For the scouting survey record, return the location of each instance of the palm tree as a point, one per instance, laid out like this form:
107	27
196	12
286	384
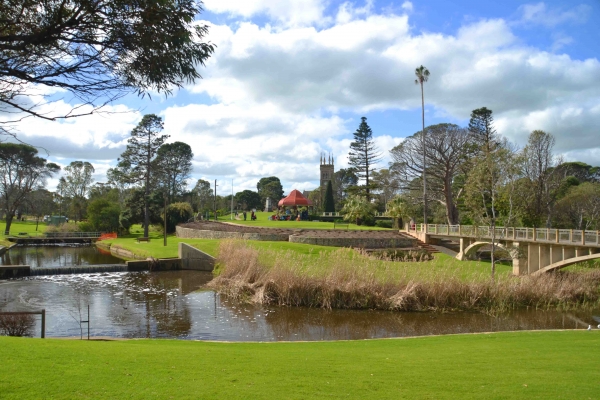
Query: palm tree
396	208
357	208
422	74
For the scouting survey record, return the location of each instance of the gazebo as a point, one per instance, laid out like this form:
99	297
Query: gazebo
295	198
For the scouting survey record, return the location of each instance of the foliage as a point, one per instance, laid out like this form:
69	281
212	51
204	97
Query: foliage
358	209
270	187
580	207
17	324
104	215
178	213
173	165
21	172
328	202
248	200
204	195
448	149
63	228
384	223
137	160
96	50
342	180
364	155
398	210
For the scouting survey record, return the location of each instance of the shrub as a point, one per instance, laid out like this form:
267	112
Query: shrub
178	213
17	324
384	223
86	227
63	228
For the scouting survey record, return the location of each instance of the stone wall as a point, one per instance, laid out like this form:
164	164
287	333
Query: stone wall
14	271
366	243
194	259
162	264
205	234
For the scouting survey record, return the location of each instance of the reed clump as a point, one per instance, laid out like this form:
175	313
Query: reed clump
347	279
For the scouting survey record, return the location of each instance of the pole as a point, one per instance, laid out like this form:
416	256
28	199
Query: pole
165	227
88	324
43	323
215	200
232	199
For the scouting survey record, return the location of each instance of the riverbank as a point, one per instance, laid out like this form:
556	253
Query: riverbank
348	279
502	365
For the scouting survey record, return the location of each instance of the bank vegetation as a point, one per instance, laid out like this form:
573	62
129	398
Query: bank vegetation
347	279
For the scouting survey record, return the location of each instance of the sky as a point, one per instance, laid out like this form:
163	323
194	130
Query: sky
290	80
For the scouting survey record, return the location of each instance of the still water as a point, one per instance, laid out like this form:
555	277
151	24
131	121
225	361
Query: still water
57	256
176	304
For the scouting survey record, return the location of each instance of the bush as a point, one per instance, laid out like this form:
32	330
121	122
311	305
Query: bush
86	227
178	213
17	324
63	228
384	223
402	255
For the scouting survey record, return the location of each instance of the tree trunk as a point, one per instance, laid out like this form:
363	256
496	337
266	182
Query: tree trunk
9	219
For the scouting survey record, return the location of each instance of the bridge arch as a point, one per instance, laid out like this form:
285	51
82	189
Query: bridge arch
472	249
565	263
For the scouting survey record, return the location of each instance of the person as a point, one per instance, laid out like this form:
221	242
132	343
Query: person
252	216
244	215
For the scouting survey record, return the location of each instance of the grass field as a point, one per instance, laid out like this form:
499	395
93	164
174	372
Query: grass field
262	219
532	365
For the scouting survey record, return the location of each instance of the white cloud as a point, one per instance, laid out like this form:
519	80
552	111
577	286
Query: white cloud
287	12
540	14
407	6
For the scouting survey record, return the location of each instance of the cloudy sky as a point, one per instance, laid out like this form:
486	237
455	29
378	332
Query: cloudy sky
290	79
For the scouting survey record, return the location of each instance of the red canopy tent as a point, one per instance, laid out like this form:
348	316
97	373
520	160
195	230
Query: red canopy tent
295	198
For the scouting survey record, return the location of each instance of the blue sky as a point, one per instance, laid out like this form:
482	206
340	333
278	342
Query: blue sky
291	79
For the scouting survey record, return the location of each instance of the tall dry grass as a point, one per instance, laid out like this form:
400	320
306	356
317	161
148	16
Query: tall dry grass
350	280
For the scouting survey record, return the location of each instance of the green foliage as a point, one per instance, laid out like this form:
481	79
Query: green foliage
248	200
384	223
178	213
397	209
173	165
103	215
86	226
358	209
328	202
364	155
270	187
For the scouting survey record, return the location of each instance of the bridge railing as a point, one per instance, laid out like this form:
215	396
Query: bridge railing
565	236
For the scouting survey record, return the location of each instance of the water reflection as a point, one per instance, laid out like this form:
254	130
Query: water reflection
57	256
174	305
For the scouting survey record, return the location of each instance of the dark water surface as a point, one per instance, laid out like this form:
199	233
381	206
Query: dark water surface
57	256
176	305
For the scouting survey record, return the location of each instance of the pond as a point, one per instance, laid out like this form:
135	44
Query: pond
176	304
63	255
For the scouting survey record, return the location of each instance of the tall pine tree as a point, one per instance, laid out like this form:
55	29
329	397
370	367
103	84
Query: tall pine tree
328	202
363	155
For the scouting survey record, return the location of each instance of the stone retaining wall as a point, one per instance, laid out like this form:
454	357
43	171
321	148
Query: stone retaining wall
366	243
205	234
194	259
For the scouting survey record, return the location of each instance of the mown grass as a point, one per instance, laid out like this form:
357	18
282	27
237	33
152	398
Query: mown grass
262	219
17	227
352	280
536	365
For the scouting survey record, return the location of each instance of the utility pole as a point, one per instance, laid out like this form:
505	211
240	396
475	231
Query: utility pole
231	199
165	227
215	200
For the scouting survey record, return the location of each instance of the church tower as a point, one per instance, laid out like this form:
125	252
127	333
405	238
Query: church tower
327	171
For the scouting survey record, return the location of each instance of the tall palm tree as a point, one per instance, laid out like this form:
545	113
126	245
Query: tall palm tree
422	74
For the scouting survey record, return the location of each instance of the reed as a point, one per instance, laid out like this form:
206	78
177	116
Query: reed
352	280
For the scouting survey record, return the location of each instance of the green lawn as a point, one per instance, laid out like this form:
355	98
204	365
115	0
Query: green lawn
17	227
532	365
262	220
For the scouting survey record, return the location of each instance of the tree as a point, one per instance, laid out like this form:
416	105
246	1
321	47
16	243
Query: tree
541	180
178	213
173	164
481	126
95	50
204	194
248	200
422	75
78	180
342	180
357	209
21	172
364	155
328	202
580	208
386	183
137	159
103	215
270	187
448	148
397	209
40	202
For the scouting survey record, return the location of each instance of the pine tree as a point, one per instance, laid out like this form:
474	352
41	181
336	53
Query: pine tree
328	202
364	154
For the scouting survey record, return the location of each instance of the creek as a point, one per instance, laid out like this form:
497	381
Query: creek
176	304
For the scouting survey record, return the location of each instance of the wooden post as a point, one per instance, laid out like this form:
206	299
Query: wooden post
43	323
557	236
570	235
534	235
583	237
459	230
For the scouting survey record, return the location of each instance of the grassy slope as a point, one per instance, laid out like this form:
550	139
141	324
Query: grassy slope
20	226
262	220
500	365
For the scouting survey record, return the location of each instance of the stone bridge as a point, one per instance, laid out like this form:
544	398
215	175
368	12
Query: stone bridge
533	250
